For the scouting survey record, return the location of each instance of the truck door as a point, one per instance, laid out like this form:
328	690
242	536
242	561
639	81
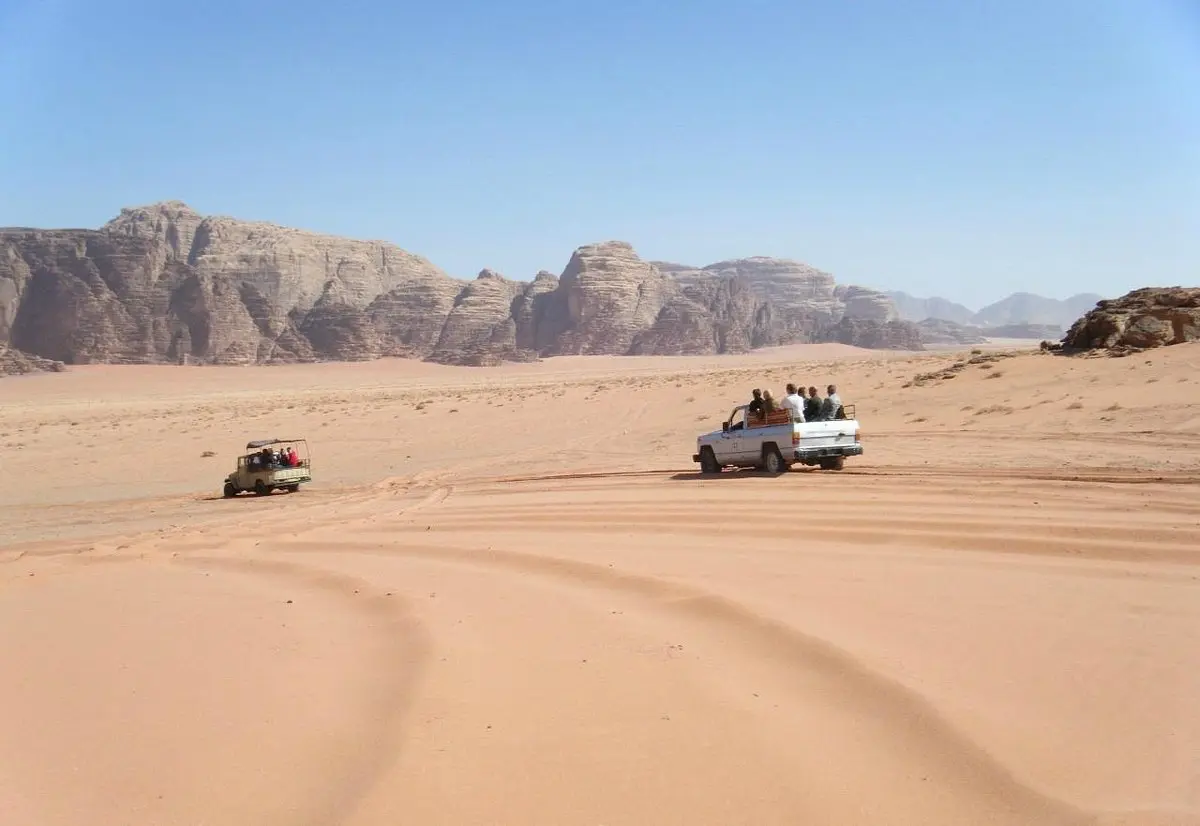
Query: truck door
731	445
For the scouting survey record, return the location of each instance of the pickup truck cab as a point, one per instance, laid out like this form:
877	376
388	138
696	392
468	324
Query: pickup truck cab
774	442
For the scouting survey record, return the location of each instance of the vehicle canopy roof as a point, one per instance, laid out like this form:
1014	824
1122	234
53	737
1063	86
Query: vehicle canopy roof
267	442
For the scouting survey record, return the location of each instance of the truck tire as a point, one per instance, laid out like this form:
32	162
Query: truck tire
772	460
708	461
260	488
230	491
292	488
833	463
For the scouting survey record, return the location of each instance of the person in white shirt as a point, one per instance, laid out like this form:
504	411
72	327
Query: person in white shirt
794	402
832	405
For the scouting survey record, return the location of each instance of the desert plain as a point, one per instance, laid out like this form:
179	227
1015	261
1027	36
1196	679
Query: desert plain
509	597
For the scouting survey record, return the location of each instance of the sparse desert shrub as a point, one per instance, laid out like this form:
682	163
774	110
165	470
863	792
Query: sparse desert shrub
994	375
995	408
1075	406
1112	407
208	454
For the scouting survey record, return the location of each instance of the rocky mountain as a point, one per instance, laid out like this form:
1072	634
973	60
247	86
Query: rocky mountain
1015	311
162	283
1027	308
936	331
912	308
1139	320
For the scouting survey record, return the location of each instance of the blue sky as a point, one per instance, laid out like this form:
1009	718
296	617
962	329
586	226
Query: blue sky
964	149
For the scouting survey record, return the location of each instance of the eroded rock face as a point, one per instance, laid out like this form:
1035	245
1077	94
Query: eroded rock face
1139	320
940	332
16	363
605	297
874	334
162	283
861	302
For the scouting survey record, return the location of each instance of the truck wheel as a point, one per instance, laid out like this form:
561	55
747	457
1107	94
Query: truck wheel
772	460
260	488
292	488
708	461
833	463
230	490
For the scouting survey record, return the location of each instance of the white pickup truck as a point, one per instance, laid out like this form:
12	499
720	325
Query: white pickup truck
774	443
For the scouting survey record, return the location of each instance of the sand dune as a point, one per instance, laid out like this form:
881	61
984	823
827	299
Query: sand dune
510	598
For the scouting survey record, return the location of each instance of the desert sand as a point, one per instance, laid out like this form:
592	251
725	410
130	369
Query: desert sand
508	597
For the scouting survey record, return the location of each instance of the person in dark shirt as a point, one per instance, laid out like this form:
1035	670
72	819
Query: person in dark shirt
812	406
755	408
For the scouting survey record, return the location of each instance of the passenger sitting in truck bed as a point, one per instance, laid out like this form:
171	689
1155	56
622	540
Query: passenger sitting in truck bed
768	403
794	402
755	408
831	408
812	406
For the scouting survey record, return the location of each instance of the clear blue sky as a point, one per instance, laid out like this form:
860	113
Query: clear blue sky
966	149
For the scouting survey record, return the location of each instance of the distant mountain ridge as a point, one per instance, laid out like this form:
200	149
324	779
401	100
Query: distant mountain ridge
164	284
1018	309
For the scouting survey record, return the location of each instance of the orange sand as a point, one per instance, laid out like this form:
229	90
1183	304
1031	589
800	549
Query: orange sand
509	597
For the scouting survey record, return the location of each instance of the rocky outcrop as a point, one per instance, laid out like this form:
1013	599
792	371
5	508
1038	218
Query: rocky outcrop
874	334
605	297
938	332
1031	331
16	363
1139	320
163	283
916	309
789	286
935	331
480	328
860	302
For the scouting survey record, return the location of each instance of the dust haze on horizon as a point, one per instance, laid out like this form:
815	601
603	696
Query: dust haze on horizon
959	153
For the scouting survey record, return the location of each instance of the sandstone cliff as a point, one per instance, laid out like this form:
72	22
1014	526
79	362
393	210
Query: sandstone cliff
1139	320
162	283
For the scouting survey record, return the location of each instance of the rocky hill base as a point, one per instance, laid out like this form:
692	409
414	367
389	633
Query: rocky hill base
939	332
1139	320
15	363
164	284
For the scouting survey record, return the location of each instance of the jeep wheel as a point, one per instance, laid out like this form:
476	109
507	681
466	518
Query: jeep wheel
708	461
772	460
230	490
833	463
260	488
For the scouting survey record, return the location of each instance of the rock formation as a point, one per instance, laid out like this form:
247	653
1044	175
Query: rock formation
1139	320
163	283
1014	312
938	332
16	363
916	309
